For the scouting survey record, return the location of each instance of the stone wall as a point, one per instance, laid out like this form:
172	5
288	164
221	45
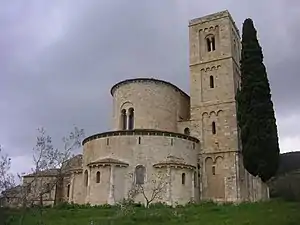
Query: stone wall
154	151
215	78
157	104
38	185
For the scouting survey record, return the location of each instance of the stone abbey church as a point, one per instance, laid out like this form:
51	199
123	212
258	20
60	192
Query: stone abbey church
186	147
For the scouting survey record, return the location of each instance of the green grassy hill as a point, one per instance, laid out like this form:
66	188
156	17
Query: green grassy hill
267	213
286	183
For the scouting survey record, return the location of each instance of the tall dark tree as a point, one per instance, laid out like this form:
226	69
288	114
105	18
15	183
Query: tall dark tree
255	113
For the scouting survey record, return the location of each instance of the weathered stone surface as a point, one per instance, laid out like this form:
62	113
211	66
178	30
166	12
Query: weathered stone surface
207	164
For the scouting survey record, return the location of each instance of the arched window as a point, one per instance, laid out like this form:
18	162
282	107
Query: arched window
213	127
140	174
208	44
211	43
68	190
183	178
131	119
86	178
187	131
211	82
98	177
123	119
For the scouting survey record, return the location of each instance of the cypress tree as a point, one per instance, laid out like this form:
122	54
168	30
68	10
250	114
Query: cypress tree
255	113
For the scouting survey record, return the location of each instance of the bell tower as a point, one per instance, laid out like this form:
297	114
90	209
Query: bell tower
215	77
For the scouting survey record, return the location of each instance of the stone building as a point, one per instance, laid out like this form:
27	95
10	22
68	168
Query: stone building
184	147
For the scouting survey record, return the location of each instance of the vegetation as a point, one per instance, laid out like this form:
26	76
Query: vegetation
274	213
255	114
286	183
6	178
289	162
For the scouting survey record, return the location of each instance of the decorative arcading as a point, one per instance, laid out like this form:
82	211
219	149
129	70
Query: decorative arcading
209	30
207	69
147	80
215	113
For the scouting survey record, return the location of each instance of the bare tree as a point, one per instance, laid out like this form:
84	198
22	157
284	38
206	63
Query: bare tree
153	190
7	180
52	163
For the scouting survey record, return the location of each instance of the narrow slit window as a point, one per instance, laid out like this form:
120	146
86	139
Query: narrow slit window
183	178
98	177
139	140
213	170
213	126
172	142
107	141
211	82
86	178
68	190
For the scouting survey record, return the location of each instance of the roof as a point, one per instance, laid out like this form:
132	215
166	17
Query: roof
174	163
147	132
50	172
104	161
135	80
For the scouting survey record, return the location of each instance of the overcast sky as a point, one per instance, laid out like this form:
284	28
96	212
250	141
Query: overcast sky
59	59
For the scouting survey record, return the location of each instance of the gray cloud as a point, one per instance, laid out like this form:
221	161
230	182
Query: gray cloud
60	58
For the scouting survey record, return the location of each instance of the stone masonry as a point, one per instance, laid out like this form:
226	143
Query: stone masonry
185	146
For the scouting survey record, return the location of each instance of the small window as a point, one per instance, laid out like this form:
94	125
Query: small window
183	178
208	44
172	142
211	82
140	174
187	131
86	178
213	126
195	179
139	140
194	145
198	166
107	141
123	119
68	190
131	119
213	44
213	170
98	177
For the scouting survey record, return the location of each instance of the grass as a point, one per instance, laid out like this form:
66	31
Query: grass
264	213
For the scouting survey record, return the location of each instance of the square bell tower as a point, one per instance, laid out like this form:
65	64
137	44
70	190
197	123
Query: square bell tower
215	77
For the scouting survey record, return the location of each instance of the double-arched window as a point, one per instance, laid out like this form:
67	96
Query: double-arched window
211	43
127	119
